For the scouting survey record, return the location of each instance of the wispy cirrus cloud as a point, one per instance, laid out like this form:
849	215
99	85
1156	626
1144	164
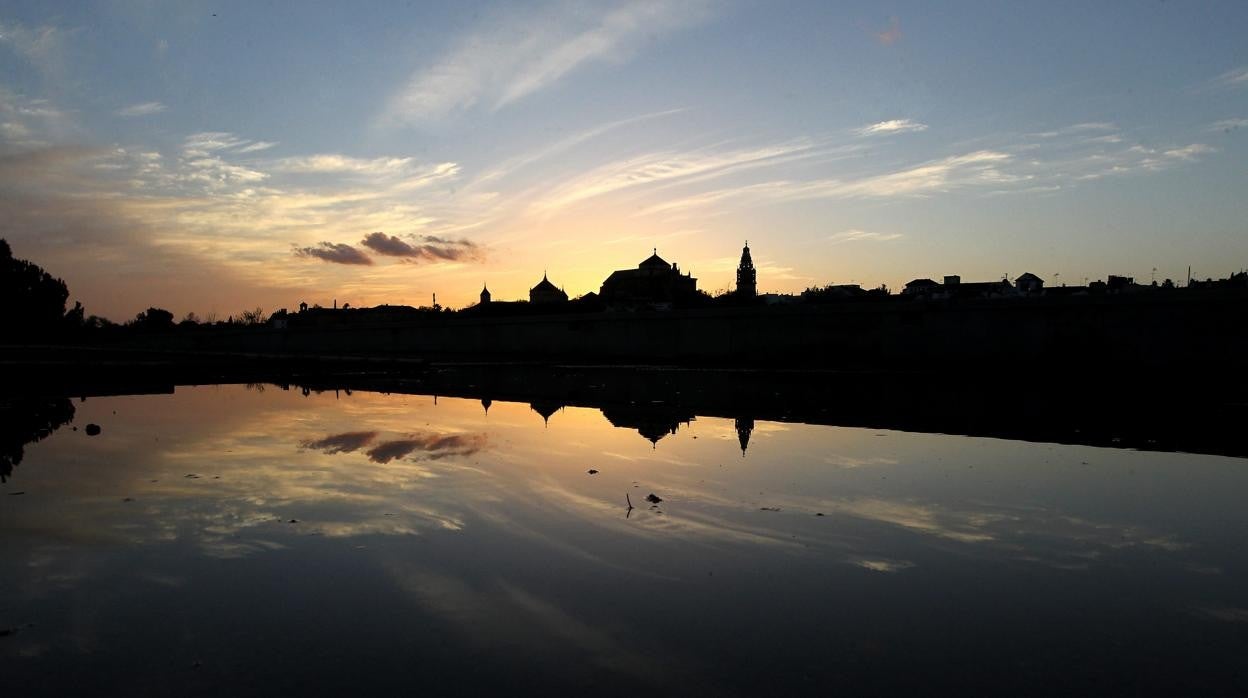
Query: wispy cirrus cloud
336	253
516	56
29	122
422	247
1228	125
862	236
1053	160
1188	152
43	47
891	126
1083	127
668	166
1232	79
142	109
255	146
339	164
206	142
400	173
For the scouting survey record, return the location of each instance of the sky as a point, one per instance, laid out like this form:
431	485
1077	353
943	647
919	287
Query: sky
213	157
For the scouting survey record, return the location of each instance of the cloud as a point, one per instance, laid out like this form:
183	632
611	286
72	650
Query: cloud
891	126
1232	79
432	446
516	55
1077	128
208	142
666	166
863	236
422	247
344	164
43	47
341	443
1228	125
30	123
514	164
1188	152
338	253
215	173
142	109
1076	153
881	564
255	147
946	174
891	35
938	175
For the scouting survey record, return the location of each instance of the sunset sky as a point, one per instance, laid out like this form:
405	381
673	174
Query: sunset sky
213	157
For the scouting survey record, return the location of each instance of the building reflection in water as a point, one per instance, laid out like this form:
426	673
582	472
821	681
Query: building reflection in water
651	421
745	427
546	408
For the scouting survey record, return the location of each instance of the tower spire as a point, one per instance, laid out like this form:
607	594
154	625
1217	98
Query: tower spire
747	276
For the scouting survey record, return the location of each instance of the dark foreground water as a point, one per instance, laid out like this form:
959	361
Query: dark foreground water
226	541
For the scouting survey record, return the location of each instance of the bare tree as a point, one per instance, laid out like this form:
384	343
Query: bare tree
252	317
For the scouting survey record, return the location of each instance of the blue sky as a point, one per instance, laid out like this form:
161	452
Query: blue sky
212	157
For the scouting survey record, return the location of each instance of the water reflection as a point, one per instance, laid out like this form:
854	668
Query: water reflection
653	422
25	420
256	529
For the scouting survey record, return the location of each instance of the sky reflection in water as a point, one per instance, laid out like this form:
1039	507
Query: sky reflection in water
260	541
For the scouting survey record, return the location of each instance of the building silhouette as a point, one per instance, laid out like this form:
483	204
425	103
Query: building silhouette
546	292
485	294
1029	283
747	276
653	283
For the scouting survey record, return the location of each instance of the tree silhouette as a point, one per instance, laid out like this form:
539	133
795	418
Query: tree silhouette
153	319
253	317
33	299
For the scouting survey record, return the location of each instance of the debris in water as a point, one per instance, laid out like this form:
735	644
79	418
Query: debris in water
818	513
14	494
653	498
127	499
591	471
769	508
93	429
192	476
293	521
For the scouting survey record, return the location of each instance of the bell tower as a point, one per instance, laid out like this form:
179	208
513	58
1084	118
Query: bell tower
747	277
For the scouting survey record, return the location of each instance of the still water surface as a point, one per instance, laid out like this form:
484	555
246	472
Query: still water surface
226	540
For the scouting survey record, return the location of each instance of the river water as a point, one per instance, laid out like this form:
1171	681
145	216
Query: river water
233	540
